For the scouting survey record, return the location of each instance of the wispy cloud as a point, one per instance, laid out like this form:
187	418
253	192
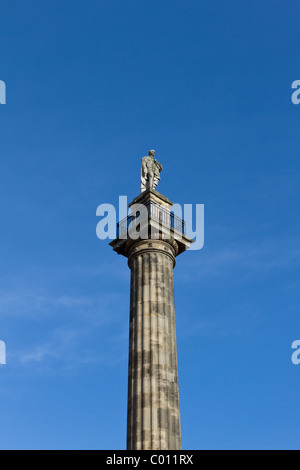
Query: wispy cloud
242	260
56	347
63	333
30	303
70	349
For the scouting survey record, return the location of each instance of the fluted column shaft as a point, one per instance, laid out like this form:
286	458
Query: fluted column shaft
153	421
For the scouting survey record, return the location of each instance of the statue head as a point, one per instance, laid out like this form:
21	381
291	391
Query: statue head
152	153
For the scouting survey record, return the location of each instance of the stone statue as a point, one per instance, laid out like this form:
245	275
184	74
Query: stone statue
150	172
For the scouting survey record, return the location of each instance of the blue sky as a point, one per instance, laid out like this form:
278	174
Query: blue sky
92	85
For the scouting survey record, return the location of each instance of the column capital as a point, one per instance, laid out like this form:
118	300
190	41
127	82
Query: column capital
167	247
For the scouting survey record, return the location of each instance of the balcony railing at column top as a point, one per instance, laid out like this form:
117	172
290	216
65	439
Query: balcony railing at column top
157	212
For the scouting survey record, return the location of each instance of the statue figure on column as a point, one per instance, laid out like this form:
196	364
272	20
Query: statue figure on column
150	172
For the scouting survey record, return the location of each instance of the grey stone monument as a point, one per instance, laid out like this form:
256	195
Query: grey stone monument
153	419
150	171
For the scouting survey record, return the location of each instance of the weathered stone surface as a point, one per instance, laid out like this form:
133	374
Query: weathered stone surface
153	421
153	396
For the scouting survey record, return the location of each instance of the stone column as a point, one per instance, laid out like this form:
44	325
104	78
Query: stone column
153	421
153	398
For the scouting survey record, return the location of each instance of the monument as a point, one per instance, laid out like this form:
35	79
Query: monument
150	172
153	416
